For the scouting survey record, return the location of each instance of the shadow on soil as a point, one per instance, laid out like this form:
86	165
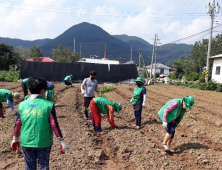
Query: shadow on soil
62	105
188	146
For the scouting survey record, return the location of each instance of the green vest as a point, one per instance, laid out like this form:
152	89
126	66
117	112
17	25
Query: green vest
36	130
173	115
101	103
25	81
67	78
136	94
49	94
2	95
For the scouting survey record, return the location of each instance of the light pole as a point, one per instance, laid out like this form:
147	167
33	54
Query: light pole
210	10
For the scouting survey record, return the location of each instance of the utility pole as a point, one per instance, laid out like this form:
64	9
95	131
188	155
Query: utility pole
74	45
154	43
131	51
210	10
80	51
155	55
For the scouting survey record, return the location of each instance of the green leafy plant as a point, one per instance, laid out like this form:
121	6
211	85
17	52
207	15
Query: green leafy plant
9	76
106	89
140	156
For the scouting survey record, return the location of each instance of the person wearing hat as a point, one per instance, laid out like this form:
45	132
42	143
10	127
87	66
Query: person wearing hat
68	81
102	105
25	86
171	114
7	96
138	101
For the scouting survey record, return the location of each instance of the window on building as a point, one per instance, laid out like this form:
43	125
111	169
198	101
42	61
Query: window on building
217	70
161	71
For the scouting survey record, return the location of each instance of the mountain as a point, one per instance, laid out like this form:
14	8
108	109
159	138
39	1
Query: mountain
166	54
24	43
92	39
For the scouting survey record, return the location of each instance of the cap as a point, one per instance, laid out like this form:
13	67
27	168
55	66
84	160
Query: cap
189	101
139	79
118	107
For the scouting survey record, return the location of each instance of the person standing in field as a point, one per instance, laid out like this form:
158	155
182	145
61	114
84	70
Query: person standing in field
36	121
102	105
138	101
25	86
88	88
7	96
68	81
171	114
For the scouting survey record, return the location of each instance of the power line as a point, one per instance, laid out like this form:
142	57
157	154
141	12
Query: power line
191	36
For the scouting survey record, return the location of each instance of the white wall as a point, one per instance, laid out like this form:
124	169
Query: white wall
216	63
166	71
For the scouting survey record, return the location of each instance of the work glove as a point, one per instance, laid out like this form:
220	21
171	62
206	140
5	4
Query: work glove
143	104
63	146
10	104
165	124
131	100
83	91
15	143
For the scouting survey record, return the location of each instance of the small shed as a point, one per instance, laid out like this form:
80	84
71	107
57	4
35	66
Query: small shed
217	64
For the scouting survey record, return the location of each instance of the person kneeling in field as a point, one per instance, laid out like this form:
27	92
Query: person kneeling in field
36	119
171	114
68	81
7	96
102	105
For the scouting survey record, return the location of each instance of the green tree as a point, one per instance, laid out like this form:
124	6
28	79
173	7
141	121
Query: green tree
64	55
7	56
36	53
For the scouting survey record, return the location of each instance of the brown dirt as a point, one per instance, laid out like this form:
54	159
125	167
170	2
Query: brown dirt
197	140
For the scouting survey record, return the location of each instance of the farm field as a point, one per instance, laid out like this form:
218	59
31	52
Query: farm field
197	139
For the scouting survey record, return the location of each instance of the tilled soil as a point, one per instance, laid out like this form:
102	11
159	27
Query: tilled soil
197	139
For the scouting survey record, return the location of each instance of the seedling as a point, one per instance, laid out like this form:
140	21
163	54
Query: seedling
147	164
156	152
124	141
168	161
140	156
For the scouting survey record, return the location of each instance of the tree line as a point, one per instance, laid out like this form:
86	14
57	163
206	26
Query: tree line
192	66
14	56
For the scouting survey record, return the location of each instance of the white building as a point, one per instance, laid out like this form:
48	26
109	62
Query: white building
99	61
217	64
160	68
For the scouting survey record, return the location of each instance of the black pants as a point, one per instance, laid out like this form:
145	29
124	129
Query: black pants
138	117
25	89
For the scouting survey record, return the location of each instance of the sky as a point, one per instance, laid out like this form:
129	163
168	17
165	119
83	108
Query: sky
175	21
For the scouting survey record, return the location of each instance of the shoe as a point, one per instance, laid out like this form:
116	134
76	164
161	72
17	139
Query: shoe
100	133
138	127
86	118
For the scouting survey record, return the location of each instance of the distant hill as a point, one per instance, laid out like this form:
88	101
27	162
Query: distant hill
166	54
25	43
93	40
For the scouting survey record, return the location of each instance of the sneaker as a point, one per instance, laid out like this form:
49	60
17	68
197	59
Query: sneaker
86	118
138	127
100	133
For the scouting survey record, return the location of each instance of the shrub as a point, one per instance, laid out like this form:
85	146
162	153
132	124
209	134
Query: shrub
180	76
172	76
10	76
219	88
106	89
201	78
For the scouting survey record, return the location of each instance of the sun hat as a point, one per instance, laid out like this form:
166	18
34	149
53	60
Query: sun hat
189	101
118	107
139	79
